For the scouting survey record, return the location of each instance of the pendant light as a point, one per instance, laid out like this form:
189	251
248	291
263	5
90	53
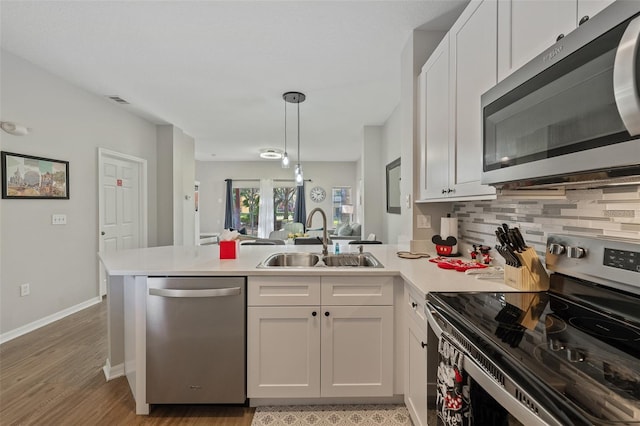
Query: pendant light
294	98
285	155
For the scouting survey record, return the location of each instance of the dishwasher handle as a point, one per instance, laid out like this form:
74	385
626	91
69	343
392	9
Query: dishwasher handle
207	292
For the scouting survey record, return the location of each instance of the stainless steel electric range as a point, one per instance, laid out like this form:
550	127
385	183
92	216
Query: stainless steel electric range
567	356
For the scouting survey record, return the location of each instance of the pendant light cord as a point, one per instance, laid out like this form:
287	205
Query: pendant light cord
298	133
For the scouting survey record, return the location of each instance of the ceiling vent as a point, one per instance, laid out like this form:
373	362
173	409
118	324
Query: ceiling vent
118	99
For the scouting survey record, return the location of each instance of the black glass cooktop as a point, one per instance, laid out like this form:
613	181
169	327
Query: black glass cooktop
579	341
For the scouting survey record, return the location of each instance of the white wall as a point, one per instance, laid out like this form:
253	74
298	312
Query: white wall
391	134
415	53
373	175
211	175
176	217
59	262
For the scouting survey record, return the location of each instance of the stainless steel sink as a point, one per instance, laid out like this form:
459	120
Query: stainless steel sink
290	260
363	260
306	260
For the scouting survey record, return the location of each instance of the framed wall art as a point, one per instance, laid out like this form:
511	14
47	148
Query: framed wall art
393	187
28	177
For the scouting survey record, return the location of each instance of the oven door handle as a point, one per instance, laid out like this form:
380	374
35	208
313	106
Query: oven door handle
625	78
429	312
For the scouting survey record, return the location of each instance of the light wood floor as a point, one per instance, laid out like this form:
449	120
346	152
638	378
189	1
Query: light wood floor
53	376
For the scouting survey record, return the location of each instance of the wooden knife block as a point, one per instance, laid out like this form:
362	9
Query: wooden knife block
531	276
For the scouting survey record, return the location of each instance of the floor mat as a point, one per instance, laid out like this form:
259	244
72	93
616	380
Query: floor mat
337	415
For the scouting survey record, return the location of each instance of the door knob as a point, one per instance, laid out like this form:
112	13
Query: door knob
326	314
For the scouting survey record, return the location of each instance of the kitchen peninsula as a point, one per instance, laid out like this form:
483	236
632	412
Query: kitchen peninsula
128	273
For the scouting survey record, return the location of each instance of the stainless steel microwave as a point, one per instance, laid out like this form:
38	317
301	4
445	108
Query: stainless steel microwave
572	114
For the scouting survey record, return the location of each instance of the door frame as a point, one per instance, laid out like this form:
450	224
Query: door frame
142	203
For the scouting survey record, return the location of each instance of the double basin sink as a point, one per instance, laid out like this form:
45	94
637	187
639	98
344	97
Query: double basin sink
301	260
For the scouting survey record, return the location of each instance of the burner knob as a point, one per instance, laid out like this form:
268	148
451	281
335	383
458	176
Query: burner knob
575	355
575	252
555	248
555	345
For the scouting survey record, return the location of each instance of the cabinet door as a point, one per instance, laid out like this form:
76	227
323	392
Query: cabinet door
591	7
473	52
526	28
357	351
434	123
415	392
283	352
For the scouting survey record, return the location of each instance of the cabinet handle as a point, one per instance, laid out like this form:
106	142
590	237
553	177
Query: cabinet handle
423	344
326	314
314	313
444	191
449	191
414	305
560	36
583	20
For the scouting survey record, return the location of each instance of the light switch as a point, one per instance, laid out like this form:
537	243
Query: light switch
58	219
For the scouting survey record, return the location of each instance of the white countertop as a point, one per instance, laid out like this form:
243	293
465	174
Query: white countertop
425	276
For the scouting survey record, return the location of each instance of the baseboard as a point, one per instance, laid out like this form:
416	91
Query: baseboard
259	402
10	335
112	371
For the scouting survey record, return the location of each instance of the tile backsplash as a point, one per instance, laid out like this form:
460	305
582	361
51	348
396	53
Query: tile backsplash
608	212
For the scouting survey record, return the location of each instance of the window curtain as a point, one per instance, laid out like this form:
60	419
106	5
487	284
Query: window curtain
228	205
300	215
265	213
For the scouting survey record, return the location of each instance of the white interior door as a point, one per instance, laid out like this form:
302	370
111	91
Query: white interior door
122	208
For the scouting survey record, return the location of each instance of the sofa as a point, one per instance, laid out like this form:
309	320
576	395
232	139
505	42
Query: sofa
346	231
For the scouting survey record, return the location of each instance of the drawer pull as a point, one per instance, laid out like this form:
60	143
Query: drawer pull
414	305
314	313
423	344
326	314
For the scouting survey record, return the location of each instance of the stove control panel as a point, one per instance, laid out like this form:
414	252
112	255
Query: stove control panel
622	259
613	262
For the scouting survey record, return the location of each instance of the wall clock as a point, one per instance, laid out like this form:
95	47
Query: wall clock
317	194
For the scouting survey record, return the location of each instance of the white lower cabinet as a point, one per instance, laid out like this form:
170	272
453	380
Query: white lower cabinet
415	396
318	349
418	393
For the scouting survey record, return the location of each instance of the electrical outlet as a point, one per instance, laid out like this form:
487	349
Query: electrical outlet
58	219
424	221
24	289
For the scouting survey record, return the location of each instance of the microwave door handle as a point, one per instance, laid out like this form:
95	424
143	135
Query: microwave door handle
625	77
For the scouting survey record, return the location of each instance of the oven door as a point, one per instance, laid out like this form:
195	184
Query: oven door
488	375
581	114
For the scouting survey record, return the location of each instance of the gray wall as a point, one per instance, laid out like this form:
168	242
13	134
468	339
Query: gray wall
59	262
211	175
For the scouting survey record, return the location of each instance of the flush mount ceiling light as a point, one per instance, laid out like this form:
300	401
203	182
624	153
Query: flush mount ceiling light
271	154
293	98
14	128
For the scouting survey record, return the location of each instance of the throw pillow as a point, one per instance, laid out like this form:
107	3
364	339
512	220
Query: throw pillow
356	229
344	231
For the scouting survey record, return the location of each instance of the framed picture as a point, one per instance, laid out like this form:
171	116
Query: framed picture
25	176
393	187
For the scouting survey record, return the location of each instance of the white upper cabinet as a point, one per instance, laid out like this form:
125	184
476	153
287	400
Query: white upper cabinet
591	7
472	56
527	28
460	69
434	123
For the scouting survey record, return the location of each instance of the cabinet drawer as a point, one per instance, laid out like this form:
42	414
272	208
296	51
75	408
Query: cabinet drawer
341	291
283	291
414	305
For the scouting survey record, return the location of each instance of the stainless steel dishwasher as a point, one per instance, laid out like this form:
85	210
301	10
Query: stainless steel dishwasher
196	344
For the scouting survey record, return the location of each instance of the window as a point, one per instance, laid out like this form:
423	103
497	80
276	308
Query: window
342	206
246	206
